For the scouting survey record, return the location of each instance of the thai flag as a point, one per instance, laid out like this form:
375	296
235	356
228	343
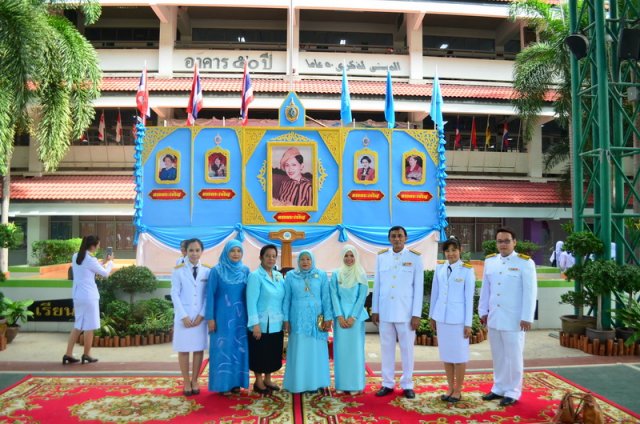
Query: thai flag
195	98
457	144
505	137
247	95
101	127
142	96
119	128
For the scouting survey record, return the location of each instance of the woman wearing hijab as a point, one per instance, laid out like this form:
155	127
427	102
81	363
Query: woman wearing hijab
308	316
451	313
226	315
265	296
349	289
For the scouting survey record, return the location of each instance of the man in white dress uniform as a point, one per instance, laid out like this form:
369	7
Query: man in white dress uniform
507	306
396	308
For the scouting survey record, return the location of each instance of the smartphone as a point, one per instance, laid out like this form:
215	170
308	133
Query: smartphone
109	251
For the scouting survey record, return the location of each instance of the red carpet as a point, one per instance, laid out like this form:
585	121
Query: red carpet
122	399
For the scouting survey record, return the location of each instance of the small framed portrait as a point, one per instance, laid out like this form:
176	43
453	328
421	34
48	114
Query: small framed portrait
413	163
365	165
292	184
217	166
168	166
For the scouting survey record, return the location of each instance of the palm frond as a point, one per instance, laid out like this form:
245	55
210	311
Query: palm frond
556	153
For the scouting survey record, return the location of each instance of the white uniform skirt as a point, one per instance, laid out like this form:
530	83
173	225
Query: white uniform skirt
192	339
87	314
452	345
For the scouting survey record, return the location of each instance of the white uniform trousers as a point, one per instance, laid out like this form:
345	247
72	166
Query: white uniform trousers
389	332
507	349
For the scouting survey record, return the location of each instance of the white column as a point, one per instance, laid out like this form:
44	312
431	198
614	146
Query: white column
534	149
293	43
37	229
168	26
414	41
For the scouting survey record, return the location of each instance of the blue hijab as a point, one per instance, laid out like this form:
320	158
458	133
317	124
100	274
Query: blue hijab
231	272
306	273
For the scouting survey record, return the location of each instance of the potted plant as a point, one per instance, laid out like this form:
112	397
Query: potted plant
629	316
628	286
582	245
134	279
601	277
16	312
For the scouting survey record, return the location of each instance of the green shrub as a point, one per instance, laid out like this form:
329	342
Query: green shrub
11	236
145	316
525	247
134	279
53	252
428	281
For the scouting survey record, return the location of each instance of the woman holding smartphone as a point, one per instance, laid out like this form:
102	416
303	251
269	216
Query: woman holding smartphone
86	297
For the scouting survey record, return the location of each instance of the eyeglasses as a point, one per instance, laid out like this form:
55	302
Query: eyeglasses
504	241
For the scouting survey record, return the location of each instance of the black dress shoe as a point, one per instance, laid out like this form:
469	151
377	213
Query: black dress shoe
491	396
384	391
506	401
453	399
272	387
264	391
66	359
444	398
410	394
87	358
237	390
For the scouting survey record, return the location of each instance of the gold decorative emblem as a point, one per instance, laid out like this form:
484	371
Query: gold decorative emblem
292	112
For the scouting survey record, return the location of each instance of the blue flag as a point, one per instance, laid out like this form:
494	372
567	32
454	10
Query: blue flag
389	108
436	104
345	100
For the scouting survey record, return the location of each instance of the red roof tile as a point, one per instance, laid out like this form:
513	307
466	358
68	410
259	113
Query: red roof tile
121	188
73	187
504	192
331	87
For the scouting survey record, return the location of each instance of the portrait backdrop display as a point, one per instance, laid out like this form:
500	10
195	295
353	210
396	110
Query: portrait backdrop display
210	183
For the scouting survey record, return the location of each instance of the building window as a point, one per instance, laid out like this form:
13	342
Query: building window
473	231
60	228
116	232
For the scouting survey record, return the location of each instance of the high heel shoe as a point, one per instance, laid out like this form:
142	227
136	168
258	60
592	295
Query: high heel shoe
264	391
272	386
66	359
87	358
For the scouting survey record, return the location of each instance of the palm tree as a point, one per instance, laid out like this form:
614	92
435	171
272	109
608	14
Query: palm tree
47	70
544	67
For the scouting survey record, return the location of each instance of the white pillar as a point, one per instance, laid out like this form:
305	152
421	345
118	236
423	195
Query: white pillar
168	27
293	43
534	149
414	41
37	229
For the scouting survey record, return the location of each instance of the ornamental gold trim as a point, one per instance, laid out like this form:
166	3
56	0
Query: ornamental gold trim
333	211
251	214
152	136
261	175
251	137
429	139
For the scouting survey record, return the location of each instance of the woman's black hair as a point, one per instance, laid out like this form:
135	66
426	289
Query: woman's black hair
87	243
194	240
451	241
266	247
172	157
365	157
300	159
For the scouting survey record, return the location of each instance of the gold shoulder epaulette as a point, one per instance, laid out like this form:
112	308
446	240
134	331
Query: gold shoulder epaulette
490	256
523	256
380	252
179	266
207	265
415	252
467	265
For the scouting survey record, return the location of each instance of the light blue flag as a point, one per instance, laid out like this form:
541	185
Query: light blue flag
436	104
389	108
345	100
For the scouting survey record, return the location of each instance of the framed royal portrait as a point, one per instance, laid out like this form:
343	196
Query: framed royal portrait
168	166
365	166
217	166
413	163
292	183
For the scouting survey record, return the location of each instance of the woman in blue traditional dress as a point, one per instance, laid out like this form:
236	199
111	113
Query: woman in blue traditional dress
349	289
307	297
226	315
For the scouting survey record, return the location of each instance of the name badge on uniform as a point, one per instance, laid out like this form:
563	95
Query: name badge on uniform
407	263
514	269
459	280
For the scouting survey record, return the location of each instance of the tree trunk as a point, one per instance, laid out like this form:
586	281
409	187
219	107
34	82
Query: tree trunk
6	194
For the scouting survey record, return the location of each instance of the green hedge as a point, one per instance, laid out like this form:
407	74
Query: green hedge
53	252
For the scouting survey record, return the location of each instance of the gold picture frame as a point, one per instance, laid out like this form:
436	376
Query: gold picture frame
217	166
413	163
365	166
292	183
168	166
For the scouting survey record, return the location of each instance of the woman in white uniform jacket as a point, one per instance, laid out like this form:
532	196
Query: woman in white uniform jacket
188	291
451	313
86	299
